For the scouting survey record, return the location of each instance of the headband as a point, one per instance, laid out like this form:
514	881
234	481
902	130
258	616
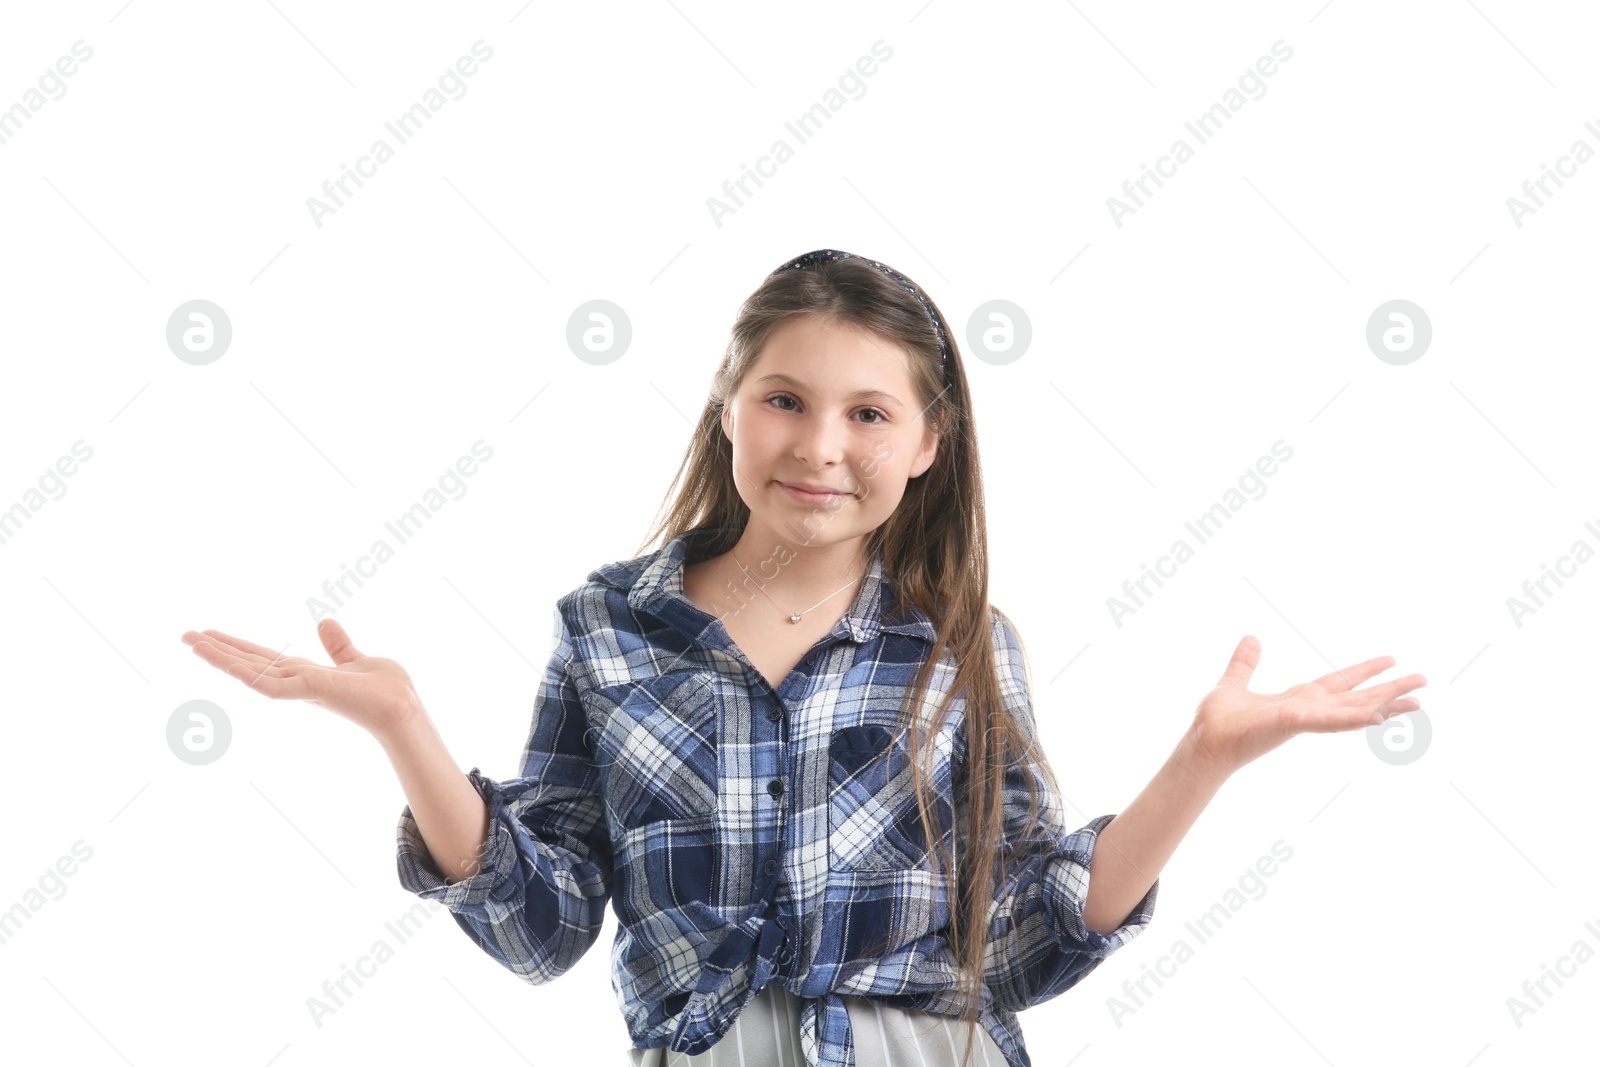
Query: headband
829	255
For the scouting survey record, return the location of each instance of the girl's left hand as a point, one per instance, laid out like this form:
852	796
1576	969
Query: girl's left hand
1233	726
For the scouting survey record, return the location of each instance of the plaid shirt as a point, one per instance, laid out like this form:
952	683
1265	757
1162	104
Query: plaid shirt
746	834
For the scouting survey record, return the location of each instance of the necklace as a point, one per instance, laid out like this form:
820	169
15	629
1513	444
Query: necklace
794	616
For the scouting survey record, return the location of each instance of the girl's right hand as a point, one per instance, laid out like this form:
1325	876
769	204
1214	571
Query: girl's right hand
372	692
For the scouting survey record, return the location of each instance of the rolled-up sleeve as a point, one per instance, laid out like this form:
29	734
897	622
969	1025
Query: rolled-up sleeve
1038	944
538	900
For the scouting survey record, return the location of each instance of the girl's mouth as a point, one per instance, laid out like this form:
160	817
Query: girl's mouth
814	498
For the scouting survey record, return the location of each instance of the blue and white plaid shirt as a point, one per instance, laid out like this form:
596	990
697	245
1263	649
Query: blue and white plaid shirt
747	834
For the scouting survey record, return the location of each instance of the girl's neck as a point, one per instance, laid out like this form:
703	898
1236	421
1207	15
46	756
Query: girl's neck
796	576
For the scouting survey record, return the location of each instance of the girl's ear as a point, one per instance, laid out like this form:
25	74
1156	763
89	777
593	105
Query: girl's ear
925	457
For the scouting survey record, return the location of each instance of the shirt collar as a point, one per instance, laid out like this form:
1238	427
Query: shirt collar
661	580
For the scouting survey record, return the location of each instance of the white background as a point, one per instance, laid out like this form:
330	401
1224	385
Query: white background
1167	356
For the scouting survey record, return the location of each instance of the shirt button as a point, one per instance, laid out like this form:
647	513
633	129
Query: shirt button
775	713
775	787
770	866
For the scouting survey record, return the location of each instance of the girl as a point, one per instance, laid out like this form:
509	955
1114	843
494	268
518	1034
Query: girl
794	745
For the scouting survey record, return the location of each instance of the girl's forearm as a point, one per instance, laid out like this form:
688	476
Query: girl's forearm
1133	847
451	816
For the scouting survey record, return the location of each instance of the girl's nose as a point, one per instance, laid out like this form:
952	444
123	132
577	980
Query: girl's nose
822	441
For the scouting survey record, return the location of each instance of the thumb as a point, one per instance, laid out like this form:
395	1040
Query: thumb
1243	663
337	642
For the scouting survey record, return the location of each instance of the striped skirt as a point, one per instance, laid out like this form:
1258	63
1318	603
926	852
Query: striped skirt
767	1034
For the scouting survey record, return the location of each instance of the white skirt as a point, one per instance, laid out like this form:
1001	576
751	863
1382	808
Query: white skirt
767	1034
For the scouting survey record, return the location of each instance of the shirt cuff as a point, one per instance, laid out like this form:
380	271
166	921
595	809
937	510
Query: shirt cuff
1073	884
420	875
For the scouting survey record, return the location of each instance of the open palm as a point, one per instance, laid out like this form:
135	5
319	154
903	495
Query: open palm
1233	726
371	691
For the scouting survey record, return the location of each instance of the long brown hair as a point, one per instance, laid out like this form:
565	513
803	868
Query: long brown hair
934	549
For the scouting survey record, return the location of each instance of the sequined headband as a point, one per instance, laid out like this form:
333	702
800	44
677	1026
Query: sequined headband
829	255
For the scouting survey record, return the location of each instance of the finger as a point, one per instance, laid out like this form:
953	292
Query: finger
238	644
1379	694
259	662
337	642
1354	675
1393	708
1243	663
250	671
1328	718
282	683
222	657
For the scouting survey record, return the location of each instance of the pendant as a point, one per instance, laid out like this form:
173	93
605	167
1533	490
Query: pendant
794	618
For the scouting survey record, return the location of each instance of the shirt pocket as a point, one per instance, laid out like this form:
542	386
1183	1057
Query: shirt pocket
873	821
657	748
666	875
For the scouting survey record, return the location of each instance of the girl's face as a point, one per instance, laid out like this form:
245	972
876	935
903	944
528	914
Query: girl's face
829	406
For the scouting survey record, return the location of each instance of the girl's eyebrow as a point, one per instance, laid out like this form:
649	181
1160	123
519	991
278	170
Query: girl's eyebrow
859	394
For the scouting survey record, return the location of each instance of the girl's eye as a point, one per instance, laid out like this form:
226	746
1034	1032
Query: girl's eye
879	420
